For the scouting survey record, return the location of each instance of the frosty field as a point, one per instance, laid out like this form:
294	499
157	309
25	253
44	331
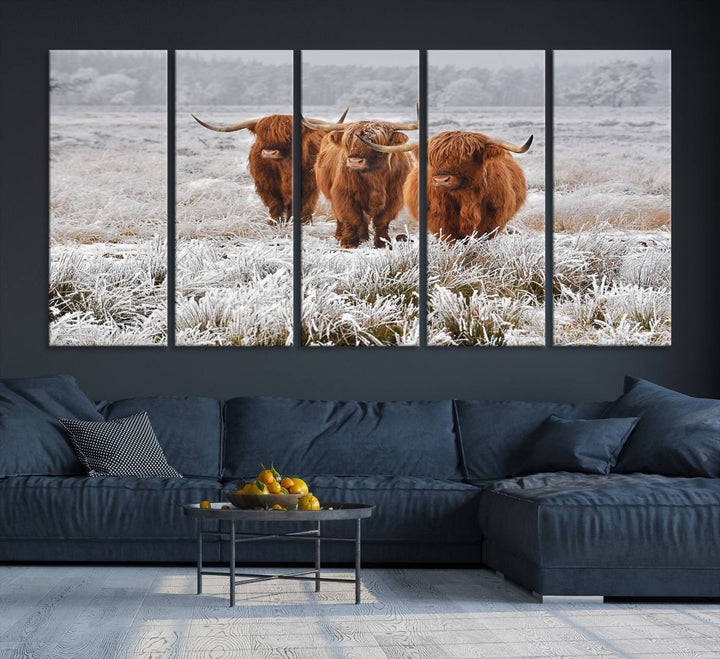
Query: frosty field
234	272
612	241
108	261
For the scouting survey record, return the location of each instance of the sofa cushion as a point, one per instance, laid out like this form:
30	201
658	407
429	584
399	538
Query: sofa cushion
107	508
579	520
189	429
32	440
312	437
494	434
677	435
408	509
587	446
121	447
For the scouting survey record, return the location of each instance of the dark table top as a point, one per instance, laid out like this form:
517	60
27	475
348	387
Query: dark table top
339	511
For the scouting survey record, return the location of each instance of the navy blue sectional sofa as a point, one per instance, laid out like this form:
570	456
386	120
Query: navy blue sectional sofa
442	474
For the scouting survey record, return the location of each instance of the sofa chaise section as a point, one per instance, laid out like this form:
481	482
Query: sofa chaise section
639	535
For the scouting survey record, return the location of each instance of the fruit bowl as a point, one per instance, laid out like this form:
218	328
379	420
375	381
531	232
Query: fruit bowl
250	501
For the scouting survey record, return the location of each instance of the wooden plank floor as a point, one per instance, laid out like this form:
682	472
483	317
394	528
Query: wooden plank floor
95	612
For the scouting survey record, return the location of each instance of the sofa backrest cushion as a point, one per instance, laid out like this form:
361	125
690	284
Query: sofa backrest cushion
313	437
32	440
494	434
677	435
189	429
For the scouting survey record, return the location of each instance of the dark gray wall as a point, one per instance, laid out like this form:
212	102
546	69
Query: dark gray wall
31	27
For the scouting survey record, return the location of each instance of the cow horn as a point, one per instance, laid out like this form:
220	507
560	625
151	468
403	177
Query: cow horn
408	146
227	129
324	125
310	120
411	126
510	147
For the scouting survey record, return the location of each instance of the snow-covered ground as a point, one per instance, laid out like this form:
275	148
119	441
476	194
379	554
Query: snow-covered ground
108	226
612	253
234	270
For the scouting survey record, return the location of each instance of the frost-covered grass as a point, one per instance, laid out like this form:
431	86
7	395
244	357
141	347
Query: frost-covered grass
107	227
612	288
234	293
487	292
234	270
612	251
363	297
105	294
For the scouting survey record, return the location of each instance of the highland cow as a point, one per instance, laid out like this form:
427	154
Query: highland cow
475	187
363	186
270	163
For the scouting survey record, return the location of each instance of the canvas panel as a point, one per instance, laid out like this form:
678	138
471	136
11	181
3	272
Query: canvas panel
234	263
612	228
485	202
108	198
359	242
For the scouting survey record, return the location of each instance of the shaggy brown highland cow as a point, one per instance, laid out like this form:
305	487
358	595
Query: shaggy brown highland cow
363	186
475	187
270	161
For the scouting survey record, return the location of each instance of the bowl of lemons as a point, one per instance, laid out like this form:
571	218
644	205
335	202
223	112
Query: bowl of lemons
272	491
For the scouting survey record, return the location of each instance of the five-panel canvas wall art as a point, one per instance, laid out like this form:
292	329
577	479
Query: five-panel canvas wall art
223	239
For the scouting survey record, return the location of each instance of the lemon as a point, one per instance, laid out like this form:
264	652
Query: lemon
205	504
308	502
274	487
299	487
256	487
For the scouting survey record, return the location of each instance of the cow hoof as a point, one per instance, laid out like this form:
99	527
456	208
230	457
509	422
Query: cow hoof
401	238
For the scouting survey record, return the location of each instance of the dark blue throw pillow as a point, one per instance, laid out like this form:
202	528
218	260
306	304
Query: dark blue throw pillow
589	446
32	440
677	435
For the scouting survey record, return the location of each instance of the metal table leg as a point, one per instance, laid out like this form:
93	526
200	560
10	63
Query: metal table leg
200	556
357	561
317	560
232	562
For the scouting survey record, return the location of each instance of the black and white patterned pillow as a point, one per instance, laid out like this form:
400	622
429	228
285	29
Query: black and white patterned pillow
121	447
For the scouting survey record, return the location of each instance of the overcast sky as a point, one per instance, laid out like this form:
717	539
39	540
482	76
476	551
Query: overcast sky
266	56
487	59
362	57
491	59
605	56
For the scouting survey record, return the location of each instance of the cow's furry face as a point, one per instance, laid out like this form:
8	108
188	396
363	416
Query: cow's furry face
359	157
455	159
274	136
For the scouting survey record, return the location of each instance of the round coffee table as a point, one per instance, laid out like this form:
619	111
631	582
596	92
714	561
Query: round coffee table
330	512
